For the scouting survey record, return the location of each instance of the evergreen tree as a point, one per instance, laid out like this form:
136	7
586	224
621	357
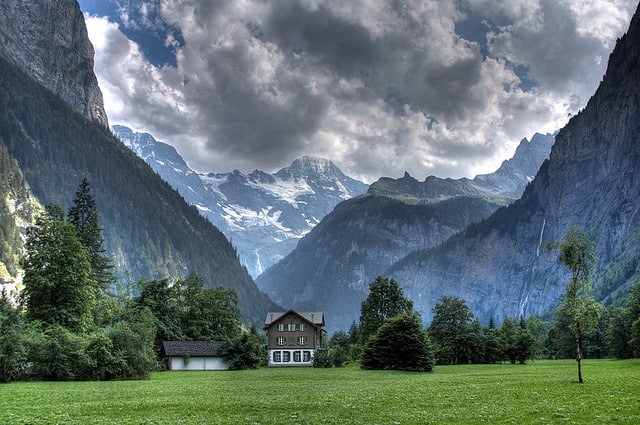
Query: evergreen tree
633	307
385	300
618	332
59	286
525	343
84	216
401	343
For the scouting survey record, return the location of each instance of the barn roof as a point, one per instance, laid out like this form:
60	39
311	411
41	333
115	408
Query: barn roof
191	348
316	318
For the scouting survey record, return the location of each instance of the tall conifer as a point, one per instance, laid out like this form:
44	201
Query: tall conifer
84	216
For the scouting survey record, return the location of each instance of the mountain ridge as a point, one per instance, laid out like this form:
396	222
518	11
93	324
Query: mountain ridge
332	267
149	230
591	180
263	214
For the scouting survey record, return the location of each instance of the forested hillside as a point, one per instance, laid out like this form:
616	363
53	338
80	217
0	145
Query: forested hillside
17	210
149	229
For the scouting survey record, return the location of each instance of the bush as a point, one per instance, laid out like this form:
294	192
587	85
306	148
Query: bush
321	358
12	341
400	344
244	352
57	354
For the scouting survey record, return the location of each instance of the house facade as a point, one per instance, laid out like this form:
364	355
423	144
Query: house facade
194	355
293	337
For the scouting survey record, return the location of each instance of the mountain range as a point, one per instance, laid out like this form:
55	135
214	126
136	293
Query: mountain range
501	264
468	238
263	214
332	267
51	127
592	180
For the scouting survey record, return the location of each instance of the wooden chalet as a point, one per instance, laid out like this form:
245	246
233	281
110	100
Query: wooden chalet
293	337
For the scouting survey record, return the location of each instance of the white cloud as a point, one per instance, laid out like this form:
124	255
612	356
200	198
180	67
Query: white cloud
377	87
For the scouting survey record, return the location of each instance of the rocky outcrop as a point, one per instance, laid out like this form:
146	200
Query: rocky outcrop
48	39
592	180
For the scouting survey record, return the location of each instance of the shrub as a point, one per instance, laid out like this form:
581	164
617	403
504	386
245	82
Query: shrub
400	344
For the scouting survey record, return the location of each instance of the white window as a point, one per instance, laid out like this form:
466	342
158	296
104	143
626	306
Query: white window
281	327
292	327
306	356
301	327
286	356
277	356
302	340
281	340
297	356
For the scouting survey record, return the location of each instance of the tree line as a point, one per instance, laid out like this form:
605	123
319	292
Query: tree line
73	321
390	335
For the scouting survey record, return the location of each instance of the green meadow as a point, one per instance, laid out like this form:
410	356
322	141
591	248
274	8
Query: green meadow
540	392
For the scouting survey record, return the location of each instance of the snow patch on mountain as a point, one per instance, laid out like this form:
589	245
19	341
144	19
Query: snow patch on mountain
264	215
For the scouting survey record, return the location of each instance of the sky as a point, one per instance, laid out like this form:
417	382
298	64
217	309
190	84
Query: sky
431	87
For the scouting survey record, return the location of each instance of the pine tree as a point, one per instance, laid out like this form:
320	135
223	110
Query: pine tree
84	216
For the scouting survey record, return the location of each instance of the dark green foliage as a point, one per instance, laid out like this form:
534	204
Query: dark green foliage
399	344
12	340
142	216
244	352
206	314
187	311
132	341
322	359
58	282
57	354
345	348
633	305
385	300
84	217
493	352
618	333
451	333
158	298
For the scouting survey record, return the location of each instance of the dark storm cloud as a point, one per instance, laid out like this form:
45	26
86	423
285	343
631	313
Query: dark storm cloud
344	47
381	87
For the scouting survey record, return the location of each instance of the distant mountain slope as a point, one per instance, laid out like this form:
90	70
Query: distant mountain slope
332	267
149	229
592	180
263	214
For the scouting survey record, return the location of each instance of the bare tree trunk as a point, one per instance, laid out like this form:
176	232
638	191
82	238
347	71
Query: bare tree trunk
579	356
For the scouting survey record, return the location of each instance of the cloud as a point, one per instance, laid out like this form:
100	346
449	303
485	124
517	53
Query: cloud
378	87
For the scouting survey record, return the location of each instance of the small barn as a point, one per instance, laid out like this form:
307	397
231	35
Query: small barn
194	355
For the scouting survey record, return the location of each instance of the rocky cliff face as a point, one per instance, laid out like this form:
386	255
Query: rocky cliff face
332	267
592	180
48	39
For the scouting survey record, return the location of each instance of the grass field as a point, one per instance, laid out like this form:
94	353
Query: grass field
541	392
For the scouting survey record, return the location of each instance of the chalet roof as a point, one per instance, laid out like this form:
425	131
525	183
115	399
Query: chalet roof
316	318
191	348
